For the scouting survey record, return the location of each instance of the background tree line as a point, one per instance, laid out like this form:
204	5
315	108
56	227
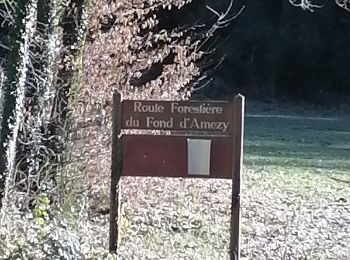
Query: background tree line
276	50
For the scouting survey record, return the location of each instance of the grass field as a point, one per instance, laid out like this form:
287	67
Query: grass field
295	202
310	142
297	187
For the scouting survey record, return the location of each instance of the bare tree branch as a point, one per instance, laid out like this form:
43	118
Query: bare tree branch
222	22
305	5
345	4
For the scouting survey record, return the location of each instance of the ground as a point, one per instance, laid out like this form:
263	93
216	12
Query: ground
295	199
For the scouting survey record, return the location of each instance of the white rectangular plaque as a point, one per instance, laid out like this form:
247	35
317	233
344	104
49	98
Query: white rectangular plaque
198	151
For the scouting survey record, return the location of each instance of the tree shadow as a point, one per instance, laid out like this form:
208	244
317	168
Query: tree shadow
297	142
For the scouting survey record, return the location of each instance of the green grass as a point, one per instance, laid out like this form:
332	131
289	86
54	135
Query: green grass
298	142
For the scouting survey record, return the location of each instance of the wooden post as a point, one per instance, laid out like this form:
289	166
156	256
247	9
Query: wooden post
116	172
238	133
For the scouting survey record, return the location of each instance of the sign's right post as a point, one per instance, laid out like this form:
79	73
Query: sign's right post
238	133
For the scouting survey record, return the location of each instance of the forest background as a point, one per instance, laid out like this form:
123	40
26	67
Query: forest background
61	60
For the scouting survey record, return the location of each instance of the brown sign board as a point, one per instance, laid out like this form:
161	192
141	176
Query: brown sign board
178	115
215	152
167	156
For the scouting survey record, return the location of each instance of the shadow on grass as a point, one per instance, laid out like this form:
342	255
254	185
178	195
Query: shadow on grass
297	142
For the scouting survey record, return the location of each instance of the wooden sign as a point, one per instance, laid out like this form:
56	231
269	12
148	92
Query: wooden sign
216	152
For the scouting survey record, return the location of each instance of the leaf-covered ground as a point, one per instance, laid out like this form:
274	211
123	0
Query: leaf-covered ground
295	201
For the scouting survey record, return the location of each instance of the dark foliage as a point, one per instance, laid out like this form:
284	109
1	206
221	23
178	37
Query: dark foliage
276	50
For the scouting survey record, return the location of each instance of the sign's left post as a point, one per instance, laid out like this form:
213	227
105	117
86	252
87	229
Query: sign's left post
116	171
